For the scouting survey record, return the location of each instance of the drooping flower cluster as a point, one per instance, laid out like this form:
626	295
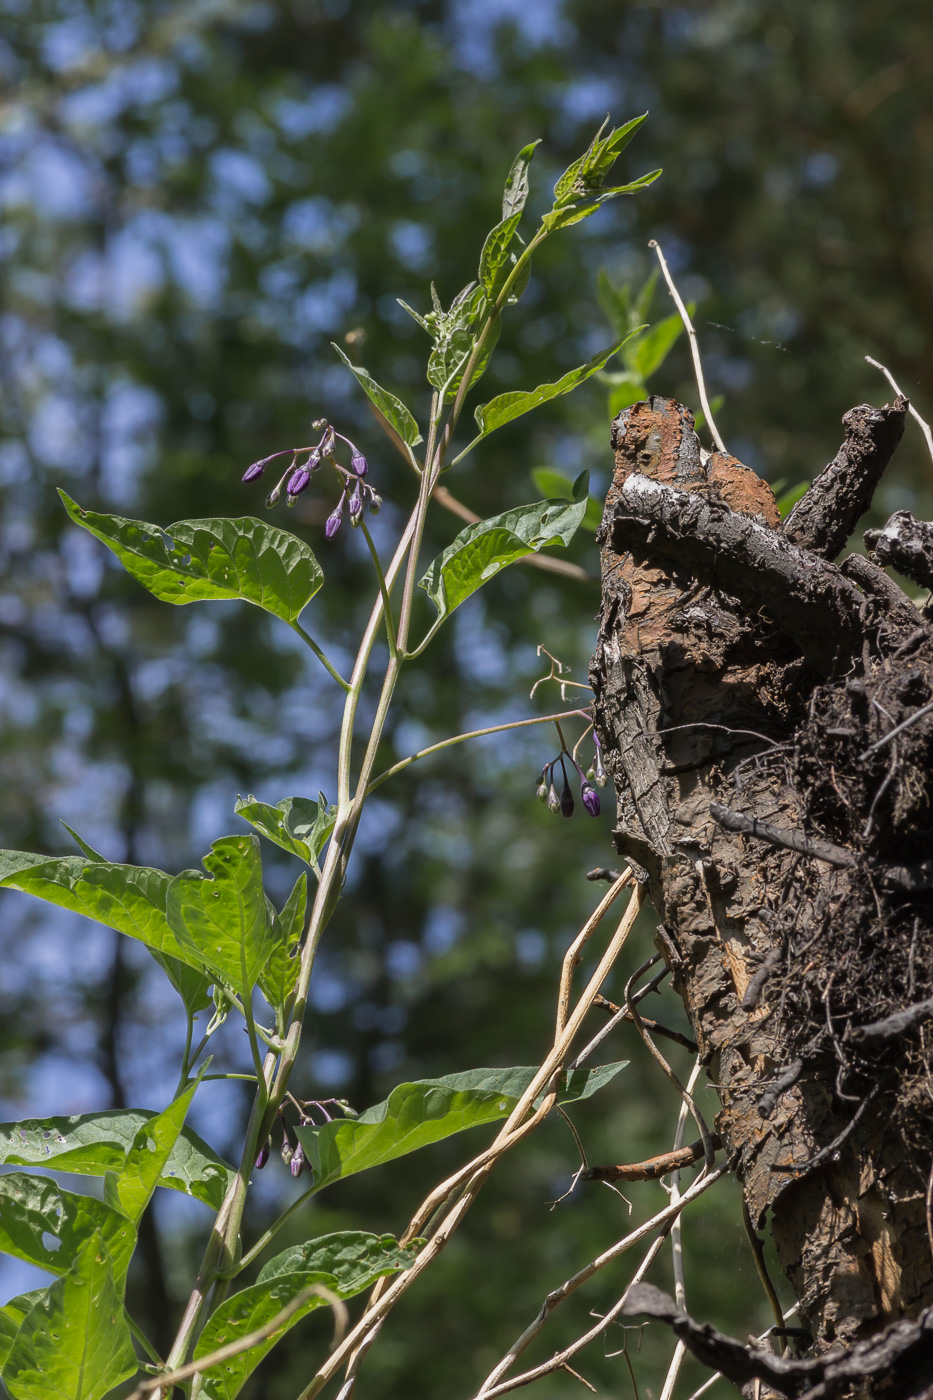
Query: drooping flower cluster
562	800
356	494
293	1154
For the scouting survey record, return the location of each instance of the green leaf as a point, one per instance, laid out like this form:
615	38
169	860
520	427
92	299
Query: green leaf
650	350
585	175
82	845
392	409
593	515
494	263
715	404
297	824
555	485
642	303
344	1263
569	214
516	183
454	337
616	304
11	1318
194	560
92	1144
279	978
191	984
34	1209
516	402
623	392
73	1343
221	917
482	550
426	1111
789	499
130	1188
415	315
128	898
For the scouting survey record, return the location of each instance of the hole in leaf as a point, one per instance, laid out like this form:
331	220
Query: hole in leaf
51	1242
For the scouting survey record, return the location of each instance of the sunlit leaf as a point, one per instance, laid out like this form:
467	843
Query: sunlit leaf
279	977
195	560
558	486
391	408
455	333
92	1144
582	208
344	1264
297	824
623	392
646	354
506	407
516	184
128	898
221	917
83	846
426	1111
130	1188
494	263
11	1319
47	1226
482	550
74	1343
585	175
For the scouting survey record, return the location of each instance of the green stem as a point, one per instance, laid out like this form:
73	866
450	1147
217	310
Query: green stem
143	1340
386	601
189	1036
404	763
272	1231
310	642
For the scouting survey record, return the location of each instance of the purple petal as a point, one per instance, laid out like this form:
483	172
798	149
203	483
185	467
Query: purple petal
359	463
590	799
254	472
263	1157
298	482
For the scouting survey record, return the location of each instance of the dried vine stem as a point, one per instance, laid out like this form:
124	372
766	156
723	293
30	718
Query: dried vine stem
680	1292
694	347
924	425
469	1180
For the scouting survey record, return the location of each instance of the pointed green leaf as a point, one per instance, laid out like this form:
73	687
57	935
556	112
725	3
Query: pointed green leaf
642	303
344	1263
208	559
47	1226
623	392
516	183
426	1111
221	917
73	1343
789	499
191	984
557	486
494	263
128	898
415	315
480	551
646	354
11	1319
280	975
616	304
569	214
391	408
82	845
131	1187
584	177
517	402
297	824
92	1144
455	334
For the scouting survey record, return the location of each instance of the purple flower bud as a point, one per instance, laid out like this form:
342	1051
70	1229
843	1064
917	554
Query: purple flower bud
566	801
254	472
263	1157
356	505
375	503
297	1164
590	799
553	801
358	462
298	481
314	460
332	524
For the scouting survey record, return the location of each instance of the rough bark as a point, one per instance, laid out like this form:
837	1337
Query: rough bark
739	671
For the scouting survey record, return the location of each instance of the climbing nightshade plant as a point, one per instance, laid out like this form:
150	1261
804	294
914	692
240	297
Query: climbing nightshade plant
225	948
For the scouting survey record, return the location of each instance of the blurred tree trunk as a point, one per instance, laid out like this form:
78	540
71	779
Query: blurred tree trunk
744	687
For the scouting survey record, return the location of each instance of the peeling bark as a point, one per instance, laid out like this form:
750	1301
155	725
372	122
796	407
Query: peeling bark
736	665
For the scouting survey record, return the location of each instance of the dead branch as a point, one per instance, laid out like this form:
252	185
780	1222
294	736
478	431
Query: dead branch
905	544
654	1167
780	836
825	517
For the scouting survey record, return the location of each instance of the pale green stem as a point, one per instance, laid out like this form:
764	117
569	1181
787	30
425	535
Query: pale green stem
310	642
404	763
386	601
272	1231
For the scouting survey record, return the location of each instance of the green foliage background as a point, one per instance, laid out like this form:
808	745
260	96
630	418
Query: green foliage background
197	198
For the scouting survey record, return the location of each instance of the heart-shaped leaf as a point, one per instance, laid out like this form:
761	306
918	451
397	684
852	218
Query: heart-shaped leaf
207	559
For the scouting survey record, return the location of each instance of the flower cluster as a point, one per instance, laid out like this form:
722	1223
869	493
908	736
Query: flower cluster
293	1154
562	801
356	494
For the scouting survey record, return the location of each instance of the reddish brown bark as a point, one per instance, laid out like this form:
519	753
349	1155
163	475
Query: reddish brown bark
738	667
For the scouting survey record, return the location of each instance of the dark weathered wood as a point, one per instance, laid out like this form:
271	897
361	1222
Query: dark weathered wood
905	544
824	519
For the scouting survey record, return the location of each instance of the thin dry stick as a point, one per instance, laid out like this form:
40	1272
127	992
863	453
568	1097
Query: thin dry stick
924	425
252	1339
680	1293
557	1296
694	348
512	1131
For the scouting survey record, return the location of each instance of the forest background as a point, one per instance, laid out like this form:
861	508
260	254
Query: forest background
197	198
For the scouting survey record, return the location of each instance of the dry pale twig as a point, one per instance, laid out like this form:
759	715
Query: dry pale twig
471	1179
924	425
694	348
680	1293
252	1339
